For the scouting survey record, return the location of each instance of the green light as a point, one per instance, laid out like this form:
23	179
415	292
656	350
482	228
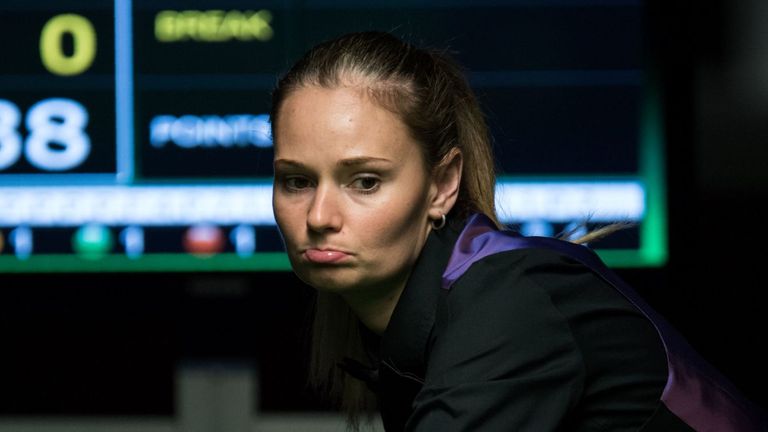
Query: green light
653	235
49	263
92	241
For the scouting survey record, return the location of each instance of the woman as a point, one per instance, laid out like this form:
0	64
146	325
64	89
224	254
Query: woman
383	193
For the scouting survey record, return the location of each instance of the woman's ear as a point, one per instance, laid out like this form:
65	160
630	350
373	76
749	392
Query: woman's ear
446	180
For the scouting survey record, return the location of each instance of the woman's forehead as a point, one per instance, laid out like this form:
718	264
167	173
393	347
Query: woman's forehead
343	121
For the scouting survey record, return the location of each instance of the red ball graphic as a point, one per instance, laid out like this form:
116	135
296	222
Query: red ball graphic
204	240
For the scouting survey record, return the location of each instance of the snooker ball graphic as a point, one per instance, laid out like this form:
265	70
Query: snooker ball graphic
204	240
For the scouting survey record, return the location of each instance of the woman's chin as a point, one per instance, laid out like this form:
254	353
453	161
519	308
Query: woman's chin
328	281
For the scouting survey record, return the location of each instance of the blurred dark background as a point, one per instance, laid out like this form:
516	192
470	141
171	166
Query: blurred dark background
110	344
714	66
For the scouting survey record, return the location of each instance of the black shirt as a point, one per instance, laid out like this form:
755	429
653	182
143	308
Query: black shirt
525	340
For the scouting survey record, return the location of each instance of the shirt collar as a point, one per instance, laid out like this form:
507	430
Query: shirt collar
405	340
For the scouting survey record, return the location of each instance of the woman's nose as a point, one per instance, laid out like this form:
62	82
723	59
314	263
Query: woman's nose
325	213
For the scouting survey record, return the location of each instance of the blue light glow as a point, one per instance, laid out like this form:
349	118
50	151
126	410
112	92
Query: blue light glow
124	90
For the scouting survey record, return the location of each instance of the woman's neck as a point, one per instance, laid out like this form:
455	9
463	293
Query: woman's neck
374	307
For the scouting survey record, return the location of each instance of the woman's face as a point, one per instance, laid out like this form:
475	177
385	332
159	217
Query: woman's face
351	192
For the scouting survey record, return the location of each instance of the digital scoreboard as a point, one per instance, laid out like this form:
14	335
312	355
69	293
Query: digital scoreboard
134	134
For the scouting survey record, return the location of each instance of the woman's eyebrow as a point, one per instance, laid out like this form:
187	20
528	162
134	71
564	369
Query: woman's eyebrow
343	162
361	161
289	162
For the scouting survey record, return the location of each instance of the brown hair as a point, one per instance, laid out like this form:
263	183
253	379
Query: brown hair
430	94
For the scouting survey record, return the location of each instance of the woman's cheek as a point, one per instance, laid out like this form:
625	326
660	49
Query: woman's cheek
286	222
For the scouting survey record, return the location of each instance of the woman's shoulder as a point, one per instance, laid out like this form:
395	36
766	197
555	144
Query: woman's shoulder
533	281
544	285
556	307
481	248
488	261
533	270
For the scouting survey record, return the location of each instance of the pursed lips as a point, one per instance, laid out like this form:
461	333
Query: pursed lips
325	255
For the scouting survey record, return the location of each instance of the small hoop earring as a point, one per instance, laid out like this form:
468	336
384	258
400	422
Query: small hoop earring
440	224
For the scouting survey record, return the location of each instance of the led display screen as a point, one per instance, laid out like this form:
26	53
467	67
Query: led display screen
134	134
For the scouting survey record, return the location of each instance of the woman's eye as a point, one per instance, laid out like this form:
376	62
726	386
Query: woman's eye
366	184
294	184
